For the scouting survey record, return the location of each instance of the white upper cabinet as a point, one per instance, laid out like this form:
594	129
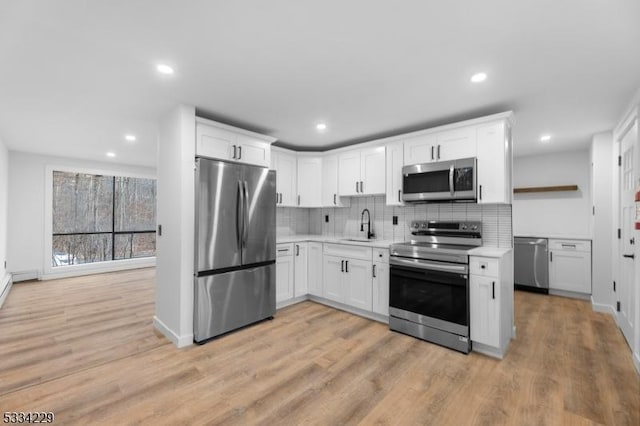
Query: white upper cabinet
349	173
330	190
372	170
362	171
309	181
395	161
441	146
494	163
420	149
284	162
217	140
455	144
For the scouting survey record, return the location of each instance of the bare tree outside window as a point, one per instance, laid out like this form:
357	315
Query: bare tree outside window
98	218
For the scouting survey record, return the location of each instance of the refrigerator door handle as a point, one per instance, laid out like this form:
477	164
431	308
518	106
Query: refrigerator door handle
245	225
239	215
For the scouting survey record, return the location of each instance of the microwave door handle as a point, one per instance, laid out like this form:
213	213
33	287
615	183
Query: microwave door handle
451	179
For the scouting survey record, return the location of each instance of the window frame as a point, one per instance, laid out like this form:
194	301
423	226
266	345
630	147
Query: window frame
85	268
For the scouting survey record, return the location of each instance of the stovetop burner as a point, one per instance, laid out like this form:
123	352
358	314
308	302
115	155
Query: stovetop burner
440	240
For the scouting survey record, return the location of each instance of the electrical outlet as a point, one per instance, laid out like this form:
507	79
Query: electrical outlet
395	220
326	218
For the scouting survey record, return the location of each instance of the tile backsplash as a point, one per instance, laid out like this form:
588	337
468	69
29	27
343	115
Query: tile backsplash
345	222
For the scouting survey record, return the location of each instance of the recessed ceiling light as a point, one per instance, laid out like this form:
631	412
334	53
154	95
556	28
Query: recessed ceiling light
111	154
321	127
545	138
130	138
164	69
479	77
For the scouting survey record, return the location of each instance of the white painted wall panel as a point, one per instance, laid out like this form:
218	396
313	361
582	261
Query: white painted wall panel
564	214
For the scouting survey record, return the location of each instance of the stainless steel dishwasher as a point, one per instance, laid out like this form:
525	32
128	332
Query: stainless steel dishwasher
531	264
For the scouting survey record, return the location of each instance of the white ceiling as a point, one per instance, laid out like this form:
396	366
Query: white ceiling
75	76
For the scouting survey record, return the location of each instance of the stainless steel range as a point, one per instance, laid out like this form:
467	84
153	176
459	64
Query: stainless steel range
429	282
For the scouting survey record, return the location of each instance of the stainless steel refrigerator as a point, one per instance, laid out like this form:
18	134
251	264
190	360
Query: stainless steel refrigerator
235	280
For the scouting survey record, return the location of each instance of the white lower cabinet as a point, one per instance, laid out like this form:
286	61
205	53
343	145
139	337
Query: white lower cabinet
333	271
347	275
314	269
491	303
284	272
300	256
381	288
336	272
485	310
357	277
570	265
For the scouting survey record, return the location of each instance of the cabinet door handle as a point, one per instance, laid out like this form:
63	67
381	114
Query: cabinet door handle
438	152
361	187
550	256
297	250
432	152
235	151
346	266
342	266
277	198
298	200
374	270
357	186
399	191
334	199
481	192
493	289
239	152
629	256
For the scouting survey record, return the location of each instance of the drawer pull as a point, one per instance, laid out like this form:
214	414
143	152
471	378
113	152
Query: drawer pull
483	266
569	245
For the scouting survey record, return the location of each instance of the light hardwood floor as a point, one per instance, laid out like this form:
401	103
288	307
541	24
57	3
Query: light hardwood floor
85	349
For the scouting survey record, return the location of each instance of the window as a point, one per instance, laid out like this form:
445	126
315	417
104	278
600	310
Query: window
99	218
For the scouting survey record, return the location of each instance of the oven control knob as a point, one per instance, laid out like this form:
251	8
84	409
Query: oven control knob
423	226
416	225
464	227
474	228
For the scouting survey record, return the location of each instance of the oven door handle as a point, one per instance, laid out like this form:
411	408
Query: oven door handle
424	264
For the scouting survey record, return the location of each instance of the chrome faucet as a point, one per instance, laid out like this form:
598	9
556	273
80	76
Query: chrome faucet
369	233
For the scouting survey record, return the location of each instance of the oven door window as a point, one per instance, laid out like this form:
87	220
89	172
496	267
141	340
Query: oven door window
463	179
426	182
441	295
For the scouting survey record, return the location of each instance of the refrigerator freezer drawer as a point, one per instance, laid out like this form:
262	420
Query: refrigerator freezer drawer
225	302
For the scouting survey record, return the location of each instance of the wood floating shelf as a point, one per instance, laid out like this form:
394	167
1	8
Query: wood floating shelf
556	188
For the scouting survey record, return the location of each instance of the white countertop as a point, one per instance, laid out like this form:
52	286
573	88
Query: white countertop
489	251
327	239
554	236
479	251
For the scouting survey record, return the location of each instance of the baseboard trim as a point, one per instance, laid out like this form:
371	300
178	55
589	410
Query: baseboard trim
571	294
293	301
601	307
370	315
25	275
179	341
5	286
488	350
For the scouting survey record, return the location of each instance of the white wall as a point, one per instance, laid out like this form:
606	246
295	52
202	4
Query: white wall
564	214
175	247
4	188
27	174
602	169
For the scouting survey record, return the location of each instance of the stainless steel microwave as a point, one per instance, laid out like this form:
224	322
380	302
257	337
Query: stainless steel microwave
454	180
